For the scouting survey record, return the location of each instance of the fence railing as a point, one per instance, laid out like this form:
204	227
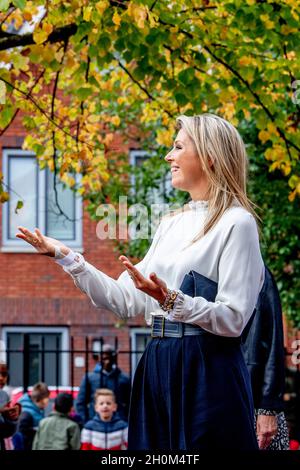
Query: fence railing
29	364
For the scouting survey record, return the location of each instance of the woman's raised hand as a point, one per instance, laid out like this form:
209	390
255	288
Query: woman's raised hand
154	286
42	244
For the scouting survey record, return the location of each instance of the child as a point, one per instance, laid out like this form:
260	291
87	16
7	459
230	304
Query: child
8	419
58	431
105	431
33	407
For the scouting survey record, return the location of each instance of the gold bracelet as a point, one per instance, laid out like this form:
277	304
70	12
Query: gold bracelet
168	304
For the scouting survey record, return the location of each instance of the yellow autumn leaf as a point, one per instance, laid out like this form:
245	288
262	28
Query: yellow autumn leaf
116	18
116	121
285	29
138	13
245	60
48	28
4	196
93	118
286	169
87	11
40	36
292	195
264	136
165	137
274	166
272	128
102	6
267	22
27	15
153	19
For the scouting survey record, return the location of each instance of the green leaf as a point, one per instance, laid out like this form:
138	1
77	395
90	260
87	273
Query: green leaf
84	93
4	4
19	206
6	115
19	4
186	76
181	99
104	42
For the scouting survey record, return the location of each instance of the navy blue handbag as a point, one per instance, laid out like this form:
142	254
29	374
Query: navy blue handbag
197	285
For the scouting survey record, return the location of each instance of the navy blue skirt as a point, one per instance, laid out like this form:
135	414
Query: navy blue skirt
192	393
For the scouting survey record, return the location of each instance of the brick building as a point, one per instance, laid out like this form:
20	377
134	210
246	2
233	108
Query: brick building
37	299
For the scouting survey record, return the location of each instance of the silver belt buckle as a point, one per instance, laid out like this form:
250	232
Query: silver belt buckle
161	335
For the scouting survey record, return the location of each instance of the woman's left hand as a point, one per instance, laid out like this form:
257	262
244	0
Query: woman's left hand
266	429
154	286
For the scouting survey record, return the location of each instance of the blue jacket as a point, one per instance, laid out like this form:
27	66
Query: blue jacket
115	380
28	423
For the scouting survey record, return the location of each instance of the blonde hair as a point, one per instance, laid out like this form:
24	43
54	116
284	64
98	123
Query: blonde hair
105	392
223	158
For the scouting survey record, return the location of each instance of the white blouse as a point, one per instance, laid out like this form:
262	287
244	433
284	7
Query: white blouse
228	254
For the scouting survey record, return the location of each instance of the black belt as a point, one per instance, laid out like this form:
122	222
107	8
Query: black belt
164	328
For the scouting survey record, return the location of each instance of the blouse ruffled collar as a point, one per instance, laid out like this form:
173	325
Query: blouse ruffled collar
198	205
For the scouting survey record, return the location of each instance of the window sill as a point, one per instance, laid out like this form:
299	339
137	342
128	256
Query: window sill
29	249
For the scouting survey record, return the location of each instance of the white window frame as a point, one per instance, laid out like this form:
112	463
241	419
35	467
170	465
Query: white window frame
133	156
17	245
64	331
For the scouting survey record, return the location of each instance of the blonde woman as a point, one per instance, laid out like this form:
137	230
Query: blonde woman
191	389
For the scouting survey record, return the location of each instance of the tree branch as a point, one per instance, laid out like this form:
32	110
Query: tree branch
287	141
5	18
28	96
18	109
16	40
142	87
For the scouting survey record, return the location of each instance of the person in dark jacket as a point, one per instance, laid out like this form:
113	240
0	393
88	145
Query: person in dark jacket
105	375
263	347
8	418
33	407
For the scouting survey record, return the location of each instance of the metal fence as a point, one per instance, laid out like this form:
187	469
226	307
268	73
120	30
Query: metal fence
56	366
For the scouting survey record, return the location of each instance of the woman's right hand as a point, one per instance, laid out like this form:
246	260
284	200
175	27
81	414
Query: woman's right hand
44	245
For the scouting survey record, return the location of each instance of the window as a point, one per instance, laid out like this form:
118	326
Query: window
45	360
140	337
27	182
137	158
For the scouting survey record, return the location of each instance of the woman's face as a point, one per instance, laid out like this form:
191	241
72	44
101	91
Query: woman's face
186	170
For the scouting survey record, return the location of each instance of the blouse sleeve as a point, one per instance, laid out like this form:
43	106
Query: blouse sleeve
240	279
120	296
